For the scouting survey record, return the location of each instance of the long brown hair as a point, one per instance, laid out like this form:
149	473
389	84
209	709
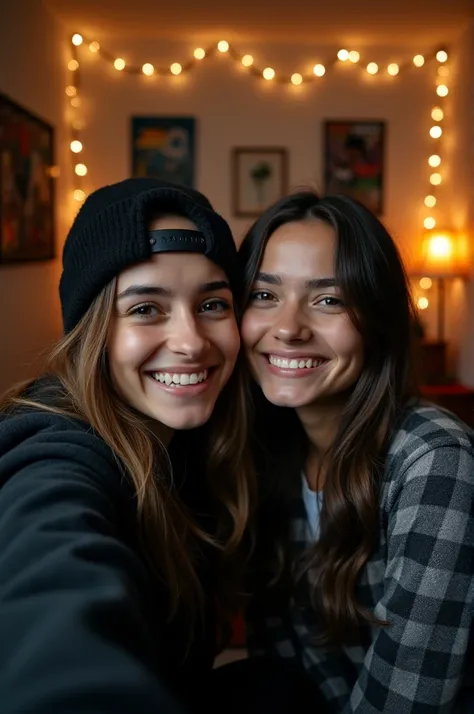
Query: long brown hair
172	540
373	282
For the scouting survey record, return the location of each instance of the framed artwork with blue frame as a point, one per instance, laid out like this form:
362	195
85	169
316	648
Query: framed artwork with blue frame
164	148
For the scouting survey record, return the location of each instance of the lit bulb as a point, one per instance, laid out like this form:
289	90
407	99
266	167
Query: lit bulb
443	71
77	39
319	70
75	102
429	223
76	146
223	46
393	69
430	201
434	160
343	55
423	303
437	113
176	68
73	65
440	247
372	68
435	179
296	78
442	56
354	56
425	283
71	91
80	169
148	69
94	47
199	53
268	73
442	90
247	60
435	132
418	60
119	64
79	194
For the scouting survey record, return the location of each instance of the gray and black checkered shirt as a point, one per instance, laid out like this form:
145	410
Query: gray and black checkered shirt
421	579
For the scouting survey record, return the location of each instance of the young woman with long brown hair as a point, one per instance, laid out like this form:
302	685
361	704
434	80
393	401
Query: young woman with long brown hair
125	481
364	567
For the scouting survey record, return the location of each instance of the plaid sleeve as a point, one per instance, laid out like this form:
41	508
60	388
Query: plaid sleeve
415	666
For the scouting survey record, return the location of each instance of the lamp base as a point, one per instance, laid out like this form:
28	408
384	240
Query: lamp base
432	362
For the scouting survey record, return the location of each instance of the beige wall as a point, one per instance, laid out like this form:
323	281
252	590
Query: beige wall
31	73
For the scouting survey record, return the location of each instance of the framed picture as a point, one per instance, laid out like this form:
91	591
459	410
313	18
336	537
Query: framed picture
164	148
26	185
354	161
259	177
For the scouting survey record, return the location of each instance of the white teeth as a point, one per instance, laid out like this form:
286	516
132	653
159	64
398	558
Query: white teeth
294	363
180	379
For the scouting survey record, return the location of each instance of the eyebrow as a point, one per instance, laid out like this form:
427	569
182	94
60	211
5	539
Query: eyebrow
141	290
312	284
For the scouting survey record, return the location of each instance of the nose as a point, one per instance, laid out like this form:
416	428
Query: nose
185	336
292	325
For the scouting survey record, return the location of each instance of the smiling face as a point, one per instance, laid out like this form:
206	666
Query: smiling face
301	345
174	340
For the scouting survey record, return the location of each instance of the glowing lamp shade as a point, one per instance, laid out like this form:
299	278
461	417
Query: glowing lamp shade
444	255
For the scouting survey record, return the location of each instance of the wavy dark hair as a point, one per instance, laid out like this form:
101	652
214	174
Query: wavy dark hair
373	282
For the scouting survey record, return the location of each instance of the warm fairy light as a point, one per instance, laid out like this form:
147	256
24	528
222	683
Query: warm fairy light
435	179
71	91
418	60
423	303
437	114
268	73
429	223
430	201
442	90
76	146
393	69
425	283
442	56
148	69
343	55
354	56
77	39
434	160
199	53
79	194
296	78
119	64
75	102
435	132
247	60
73	65
372	68
319	70
80	169
94	47
223	46
176	68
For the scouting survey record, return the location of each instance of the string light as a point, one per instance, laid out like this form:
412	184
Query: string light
423	303
425	283
268	74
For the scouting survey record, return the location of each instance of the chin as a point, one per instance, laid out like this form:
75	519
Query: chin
185	421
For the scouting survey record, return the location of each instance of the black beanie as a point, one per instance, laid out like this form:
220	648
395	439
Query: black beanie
111	232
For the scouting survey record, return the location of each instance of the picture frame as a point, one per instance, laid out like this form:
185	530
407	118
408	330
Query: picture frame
27	187
354	160
259	178
164	147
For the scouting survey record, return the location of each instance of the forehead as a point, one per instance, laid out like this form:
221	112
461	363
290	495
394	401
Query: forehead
301	248
175	271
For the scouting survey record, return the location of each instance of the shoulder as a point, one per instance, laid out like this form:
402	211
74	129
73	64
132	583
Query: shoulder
429	442
34	438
